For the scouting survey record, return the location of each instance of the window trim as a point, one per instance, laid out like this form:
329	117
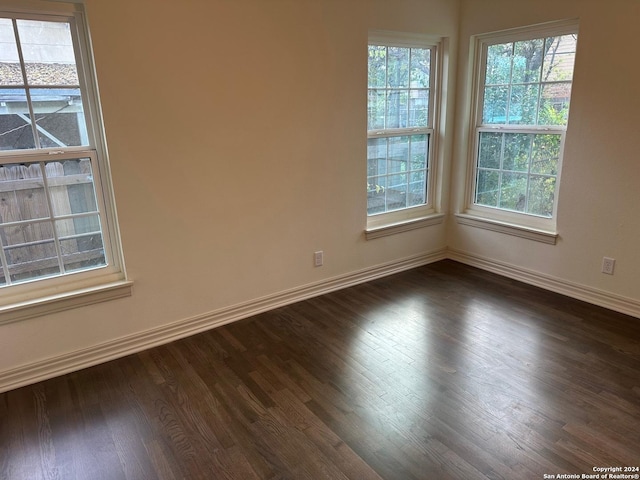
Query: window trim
505	221
397	221
49	295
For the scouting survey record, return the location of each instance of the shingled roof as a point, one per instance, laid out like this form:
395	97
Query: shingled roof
39	74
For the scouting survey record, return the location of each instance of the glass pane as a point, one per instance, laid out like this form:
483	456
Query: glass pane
81	243
30	251
498	64
559	58
420	67
60	117
22	194
417	188
490	150
527	61
398	67
376	156
517	150
523	104
398	154
418	108
377	66
376	188
397	109
376	106
545	154
396	172
10	72
513	191
541	195
15	126
487	188
47	49
554	103
495	105
419	152
396	191
71	187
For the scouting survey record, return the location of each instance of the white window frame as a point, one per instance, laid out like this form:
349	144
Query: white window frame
48	295
520	224
387	223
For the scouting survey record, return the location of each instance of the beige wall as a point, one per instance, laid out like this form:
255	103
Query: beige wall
236	133
600	192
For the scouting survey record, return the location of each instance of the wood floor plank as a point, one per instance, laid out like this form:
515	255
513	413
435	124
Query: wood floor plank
443	371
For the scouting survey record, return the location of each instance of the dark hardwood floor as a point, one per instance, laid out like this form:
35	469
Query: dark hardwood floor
442	372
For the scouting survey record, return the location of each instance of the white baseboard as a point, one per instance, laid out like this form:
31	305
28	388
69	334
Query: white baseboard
96	354
594	296
87	357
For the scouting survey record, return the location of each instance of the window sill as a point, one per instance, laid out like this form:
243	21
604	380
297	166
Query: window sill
403	226
529	233
64	301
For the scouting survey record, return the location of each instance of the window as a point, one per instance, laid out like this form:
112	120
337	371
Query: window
56	218
522	107
400	125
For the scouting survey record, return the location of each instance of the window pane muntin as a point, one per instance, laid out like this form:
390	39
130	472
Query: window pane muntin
398	67
523	105
554	103
377	66
30	251
376	156
517	151
487	185
47	49
527	155
60	117
541	195
513	191
496	100
15	126
490	150
377	103
418	108
510	66
81	243
72	196
545	154
10	71
48	52
397	109
398	153
22	193
527	61
406	90
498	64
560	56
420	74
406	162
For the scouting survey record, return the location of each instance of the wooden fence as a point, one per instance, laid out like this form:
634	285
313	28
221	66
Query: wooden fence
48	227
